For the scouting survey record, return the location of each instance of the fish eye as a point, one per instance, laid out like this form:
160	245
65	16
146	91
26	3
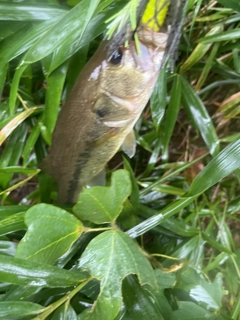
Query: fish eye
116	57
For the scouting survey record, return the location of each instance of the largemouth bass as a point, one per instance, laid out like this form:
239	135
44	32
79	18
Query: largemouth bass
102	109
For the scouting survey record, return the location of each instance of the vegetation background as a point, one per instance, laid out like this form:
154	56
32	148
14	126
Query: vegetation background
177	199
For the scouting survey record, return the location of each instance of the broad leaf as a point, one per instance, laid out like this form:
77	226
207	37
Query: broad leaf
110	257
189	311
12	309
51	232
104	204
29	273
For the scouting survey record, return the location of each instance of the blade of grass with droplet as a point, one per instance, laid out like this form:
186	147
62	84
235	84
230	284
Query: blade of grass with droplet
199	116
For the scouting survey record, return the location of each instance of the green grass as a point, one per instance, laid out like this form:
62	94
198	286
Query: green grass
180	202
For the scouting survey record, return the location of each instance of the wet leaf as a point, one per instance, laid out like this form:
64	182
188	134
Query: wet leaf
65	312
201	119
12	153
14	123
139	302
74	20
55	82
158	100
28	12
171	115
234	4
23	272
104	204
189	311
12	309
22	40
51	232
13	223
110	257
222	36
199	51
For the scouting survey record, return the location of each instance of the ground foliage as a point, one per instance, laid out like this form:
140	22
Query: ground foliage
161	241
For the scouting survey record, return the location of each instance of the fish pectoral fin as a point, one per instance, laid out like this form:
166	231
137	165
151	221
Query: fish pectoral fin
98	180
129	144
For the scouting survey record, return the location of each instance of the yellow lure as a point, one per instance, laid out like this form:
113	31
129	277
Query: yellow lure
155	13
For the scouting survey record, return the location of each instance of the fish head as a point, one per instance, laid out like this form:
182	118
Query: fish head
129	69
126	77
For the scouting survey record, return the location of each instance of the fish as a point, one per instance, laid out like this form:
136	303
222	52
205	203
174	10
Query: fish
99	114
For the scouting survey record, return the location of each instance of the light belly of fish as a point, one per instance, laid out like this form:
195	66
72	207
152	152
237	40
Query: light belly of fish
101	111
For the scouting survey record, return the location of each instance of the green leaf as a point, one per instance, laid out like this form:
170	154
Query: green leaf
104	204
3	74
208	295
140	304
227	161
164	281
234	4
198	113
21	40
158	99
73	43
32	138
199	51
8	248
171	115
65	313
76	20
134	197
189	311
229	35
14	123
12	153
28	12
51	232
55	83
13	223
29	273
12	309
110	257
6	211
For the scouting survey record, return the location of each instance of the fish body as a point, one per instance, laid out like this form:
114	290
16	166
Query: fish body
101	111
